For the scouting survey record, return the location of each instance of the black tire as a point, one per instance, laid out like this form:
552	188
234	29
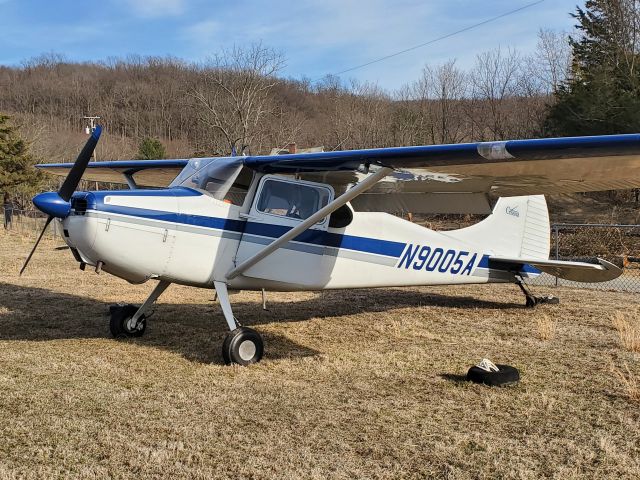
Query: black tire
506	375
243	346
120	316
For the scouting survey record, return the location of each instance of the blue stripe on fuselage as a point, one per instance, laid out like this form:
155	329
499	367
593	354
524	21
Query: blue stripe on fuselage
315	237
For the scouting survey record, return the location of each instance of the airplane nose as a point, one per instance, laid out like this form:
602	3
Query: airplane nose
52	204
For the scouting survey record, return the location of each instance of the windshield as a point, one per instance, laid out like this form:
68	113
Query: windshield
214	176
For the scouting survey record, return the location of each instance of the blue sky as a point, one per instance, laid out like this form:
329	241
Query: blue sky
317	37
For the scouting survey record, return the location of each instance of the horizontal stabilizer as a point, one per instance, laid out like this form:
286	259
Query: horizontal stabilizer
602	271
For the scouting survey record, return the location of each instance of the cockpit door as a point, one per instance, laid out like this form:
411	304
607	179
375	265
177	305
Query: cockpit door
279	205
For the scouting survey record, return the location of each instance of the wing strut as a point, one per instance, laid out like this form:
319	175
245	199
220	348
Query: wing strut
353	192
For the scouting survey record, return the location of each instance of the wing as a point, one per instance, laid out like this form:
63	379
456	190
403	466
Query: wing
576	271
146	173
458	178
434	178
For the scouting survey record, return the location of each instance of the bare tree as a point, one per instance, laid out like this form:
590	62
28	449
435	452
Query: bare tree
368	114
440	92
407	121
551	63
353	115
233	96
494	83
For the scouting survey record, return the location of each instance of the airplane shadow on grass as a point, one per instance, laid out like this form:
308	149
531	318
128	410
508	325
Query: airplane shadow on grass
196	331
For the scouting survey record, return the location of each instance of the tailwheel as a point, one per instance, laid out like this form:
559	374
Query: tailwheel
243	346
122	324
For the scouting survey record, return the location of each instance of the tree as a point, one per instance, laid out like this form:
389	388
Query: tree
440	92
17	175
495	82
151	148
233	99
551	63
602	94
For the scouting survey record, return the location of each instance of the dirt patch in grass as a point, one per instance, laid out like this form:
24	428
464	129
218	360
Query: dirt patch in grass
354	384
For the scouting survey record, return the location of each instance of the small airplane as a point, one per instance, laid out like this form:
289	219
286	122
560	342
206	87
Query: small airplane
314	221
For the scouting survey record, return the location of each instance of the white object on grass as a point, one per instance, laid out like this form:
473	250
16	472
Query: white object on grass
487	365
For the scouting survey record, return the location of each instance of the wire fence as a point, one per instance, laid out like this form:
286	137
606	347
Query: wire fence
29	223
619	244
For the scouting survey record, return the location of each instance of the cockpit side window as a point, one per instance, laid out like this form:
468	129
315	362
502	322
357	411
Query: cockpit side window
238	191
292	200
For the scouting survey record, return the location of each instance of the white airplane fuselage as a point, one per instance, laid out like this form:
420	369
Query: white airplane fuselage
185	236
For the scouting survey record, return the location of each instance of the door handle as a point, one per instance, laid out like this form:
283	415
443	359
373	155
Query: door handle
246	216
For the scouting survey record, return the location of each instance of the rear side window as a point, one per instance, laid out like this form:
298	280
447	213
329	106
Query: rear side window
292	200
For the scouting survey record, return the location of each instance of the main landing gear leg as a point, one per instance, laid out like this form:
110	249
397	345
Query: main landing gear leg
242	345
531	299
130	320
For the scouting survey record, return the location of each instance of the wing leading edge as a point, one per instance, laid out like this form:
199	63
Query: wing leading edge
429	156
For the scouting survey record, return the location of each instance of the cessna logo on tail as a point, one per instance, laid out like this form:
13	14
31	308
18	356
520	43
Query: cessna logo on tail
512	211
437	259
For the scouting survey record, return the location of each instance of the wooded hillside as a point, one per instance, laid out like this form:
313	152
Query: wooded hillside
238	99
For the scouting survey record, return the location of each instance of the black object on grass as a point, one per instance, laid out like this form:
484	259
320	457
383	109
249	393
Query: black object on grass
506	375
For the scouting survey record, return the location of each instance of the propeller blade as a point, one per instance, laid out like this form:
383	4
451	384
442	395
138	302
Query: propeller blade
58	205
26	262
73	179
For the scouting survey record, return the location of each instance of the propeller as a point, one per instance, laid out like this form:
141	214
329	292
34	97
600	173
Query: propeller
57	204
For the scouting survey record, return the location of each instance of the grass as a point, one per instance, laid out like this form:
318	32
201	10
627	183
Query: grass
546	326
629	382
354	384
628	328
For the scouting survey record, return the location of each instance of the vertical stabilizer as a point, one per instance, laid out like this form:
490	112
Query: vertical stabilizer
518	227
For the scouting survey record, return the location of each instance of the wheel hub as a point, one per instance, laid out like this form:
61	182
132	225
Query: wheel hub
132	325
247	350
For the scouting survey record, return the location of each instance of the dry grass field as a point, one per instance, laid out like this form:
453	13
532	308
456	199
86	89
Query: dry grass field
354	384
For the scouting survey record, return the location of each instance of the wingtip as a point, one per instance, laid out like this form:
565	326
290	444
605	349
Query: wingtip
612	268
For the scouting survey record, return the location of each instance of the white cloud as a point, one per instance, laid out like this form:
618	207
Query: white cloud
156	8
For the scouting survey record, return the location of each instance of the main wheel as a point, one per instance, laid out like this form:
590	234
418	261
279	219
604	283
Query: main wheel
121	324
243	346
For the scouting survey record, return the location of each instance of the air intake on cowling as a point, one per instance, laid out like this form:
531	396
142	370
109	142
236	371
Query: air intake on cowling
79	205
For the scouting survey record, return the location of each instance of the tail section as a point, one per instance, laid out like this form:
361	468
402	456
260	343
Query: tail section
517	227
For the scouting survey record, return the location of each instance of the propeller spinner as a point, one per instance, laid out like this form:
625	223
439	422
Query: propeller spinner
57	204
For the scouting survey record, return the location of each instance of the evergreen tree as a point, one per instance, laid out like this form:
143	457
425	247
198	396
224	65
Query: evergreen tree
602	95
150	149
17	174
